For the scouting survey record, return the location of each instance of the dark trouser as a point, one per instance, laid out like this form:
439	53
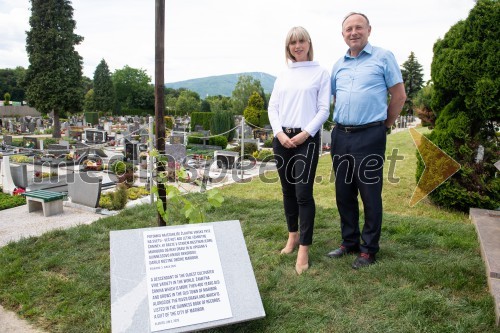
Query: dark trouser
297	170
358	160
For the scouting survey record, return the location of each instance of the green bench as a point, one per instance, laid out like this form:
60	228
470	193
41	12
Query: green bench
50	202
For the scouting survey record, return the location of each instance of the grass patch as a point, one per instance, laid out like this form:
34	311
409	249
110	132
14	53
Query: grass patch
10	201
429	277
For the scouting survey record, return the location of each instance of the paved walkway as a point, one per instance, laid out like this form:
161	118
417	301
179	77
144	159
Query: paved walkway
487	224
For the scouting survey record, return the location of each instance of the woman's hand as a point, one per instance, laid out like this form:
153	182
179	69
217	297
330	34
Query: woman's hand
285	140
300	138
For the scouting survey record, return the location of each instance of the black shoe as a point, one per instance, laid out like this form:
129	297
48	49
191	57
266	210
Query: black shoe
341	251
363	260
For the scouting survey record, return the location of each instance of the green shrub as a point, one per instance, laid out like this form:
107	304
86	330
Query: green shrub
202	119
21	159
92	118
119	197
195	138
218	141
136	192
248	149
264	154
464	72
268	143
11	201
105	201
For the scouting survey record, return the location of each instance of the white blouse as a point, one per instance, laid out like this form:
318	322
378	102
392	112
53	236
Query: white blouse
300	98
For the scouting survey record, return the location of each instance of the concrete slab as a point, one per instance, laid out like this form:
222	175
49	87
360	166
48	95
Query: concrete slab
495	290
487	224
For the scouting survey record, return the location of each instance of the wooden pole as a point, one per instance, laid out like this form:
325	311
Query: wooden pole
160	96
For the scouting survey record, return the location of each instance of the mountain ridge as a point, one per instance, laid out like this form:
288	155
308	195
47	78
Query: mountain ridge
222	84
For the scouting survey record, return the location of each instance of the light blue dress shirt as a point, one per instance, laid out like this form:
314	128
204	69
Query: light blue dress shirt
360	85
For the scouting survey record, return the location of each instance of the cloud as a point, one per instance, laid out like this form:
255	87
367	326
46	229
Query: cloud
204	38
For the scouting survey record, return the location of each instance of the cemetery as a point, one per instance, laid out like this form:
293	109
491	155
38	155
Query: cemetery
114	150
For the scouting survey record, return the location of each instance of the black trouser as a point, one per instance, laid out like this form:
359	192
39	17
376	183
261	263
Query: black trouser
297	170
358	161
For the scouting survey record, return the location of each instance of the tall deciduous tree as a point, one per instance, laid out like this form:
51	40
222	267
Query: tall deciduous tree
11	81
54	76
244	88
466	98
413	78
133	88
104	92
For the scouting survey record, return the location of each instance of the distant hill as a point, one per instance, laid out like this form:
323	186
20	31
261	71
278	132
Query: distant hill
222	84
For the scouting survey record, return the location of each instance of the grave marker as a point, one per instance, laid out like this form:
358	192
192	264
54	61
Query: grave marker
181	278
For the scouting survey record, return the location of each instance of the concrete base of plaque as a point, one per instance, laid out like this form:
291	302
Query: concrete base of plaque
181	278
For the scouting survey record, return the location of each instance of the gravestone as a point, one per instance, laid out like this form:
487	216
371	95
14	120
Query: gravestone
29	142
226	159
175	152
7	140
95	136
181	278
177	139
19	174
57	150
84	189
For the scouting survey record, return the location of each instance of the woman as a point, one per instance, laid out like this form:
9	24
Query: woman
298	107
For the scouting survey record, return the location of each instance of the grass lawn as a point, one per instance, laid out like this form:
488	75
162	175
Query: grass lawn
429	277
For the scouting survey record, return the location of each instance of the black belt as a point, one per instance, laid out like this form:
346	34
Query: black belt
290	130
355	128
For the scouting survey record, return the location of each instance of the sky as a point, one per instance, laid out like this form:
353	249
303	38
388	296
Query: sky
216	37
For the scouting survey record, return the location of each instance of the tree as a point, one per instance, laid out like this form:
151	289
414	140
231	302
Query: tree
219	103
422	105
104	92
253	110
205	106
133	88
11	81
54	76
6	99
187	103
244	88
89	101
466	98
413	80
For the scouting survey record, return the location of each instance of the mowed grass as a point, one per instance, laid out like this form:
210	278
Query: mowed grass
429	276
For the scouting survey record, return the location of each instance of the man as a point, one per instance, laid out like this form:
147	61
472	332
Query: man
361	82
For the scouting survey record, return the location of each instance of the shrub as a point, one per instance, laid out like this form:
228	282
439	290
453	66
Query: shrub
119	197
195	138
136	192
248	149
264	154
9	201
268	143
218	141
202	119
466	100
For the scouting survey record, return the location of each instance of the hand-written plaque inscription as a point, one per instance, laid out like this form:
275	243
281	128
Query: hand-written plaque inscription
185	279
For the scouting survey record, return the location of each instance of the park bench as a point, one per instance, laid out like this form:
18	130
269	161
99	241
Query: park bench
50	202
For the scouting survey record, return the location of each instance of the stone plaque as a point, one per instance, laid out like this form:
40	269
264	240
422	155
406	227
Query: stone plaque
191	277
184	276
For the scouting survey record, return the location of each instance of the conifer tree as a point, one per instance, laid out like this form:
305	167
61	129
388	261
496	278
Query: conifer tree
54	76
104	92
466	99
413	81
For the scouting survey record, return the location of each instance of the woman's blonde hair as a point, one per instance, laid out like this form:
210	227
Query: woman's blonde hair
298	34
